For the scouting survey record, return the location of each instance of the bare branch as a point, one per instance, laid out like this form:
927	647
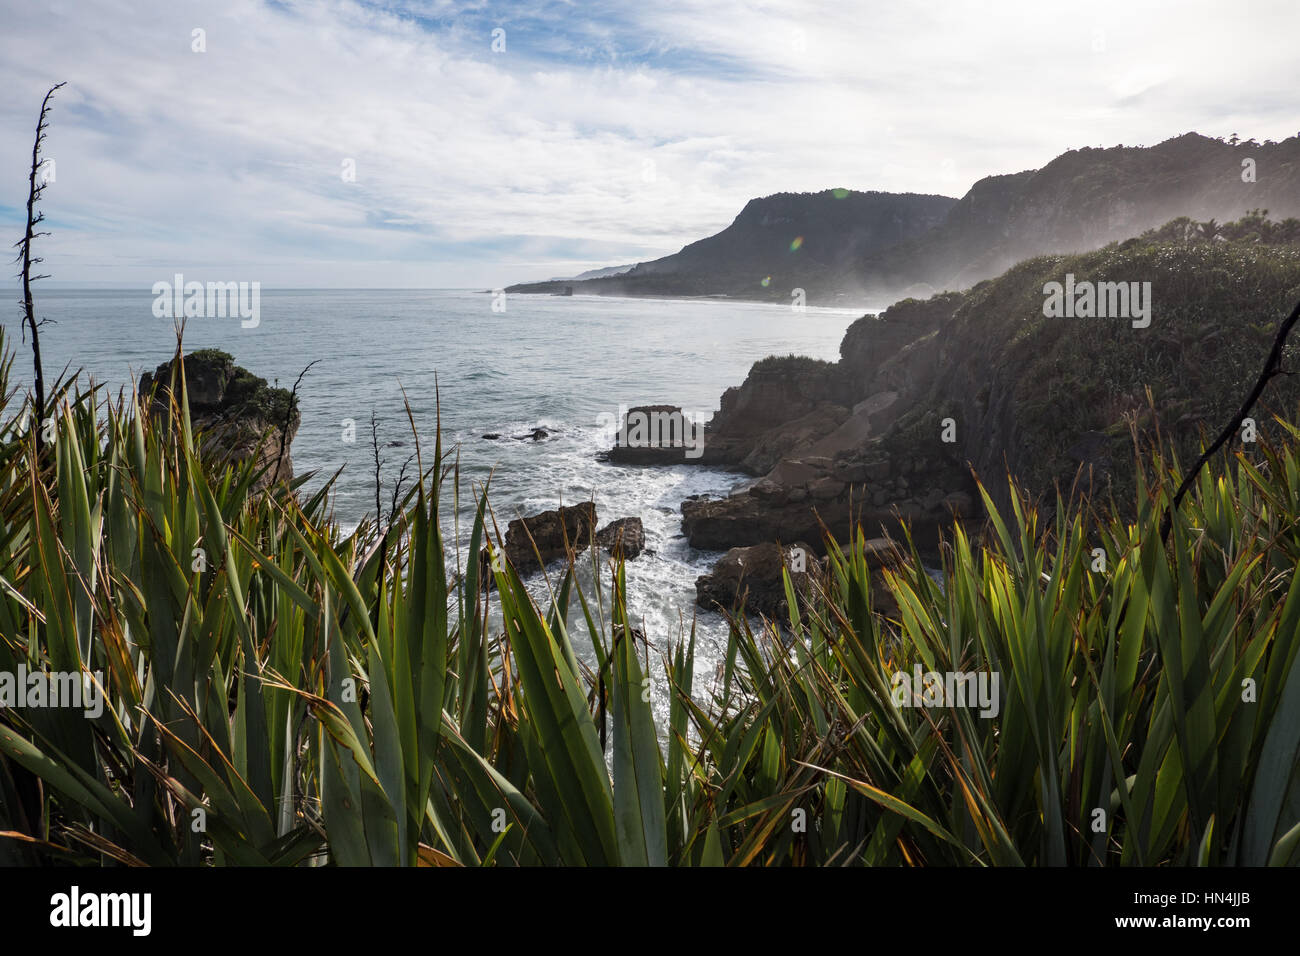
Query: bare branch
34	218
288	417
397	489
1272	366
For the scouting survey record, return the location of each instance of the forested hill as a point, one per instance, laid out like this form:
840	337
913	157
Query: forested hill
777	243
845	247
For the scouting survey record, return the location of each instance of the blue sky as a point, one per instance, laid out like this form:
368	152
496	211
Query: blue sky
602	133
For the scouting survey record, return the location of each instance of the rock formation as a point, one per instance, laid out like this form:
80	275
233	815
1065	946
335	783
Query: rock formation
930	393
236	415
552	532
812	433
625	536
657	435
569	527
750	579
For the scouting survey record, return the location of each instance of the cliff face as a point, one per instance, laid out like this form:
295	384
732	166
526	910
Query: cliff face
777	244
1082	200
984	381
813	432
801	407
835	228
238	415
880	247
1053	401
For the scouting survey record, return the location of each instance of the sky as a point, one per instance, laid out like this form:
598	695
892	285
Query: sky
437	143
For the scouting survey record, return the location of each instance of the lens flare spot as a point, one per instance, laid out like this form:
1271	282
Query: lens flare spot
767	281
798	241
840	193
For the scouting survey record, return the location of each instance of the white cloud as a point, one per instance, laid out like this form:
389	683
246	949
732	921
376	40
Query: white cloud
476	168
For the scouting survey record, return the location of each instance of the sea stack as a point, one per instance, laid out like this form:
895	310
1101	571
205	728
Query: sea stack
235	414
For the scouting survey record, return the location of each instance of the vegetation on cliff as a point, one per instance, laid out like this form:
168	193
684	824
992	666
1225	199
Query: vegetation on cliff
1083	199
1046	397
230	389
239	417
776	244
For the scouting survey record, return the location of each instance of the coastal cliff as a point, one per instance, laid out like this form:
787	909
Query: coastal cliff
931	393
1082	200
776	244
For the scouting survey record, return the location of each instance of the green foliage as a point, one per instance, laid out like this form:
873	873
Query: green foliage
1253	227
243	395
290	700
1026	388
791	363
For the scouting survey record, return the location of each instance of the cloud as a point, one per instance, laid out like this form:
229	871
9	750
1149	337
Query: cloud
603	132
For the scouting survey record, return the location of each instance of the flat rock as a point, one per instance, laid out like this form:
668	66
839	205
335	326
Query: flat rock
825	489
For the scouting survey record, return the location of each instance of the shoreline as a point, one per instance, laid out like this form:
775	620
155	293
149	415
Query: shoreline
857	310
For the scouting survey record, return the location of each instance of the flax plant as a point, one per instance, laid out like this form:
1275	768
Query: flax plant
275	696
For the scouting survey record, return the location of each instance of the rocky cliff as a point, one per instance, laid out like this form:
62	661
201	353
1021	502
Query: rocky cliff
777	244
1082	200
983	382
237	415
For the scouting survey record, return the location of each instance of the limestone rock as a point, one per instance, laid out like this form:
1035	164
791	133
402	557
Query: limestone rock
657	435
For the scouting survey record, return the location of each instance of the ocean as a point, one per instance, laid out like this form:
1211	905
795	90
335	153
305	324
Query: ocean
549	362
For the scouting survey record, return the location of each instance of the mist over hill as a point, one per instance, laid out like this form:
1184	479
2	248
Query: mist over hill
847	247
1080	201
775	244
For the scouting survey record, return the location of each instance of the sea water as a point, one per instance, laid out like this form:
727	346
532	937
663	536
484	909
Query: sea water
562	364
